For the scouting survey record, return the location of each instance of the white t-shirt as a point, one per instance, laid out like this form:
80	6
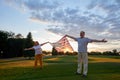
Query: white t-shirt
37	49
82	44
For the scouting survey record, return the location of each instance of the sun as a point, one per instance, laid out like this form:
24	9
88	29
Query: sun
67	50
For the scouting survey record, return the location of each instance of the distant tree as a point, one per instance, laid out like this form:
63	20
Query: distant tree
11	34
10	45
115	52
29	40
107	53
4	35
3	41
29	43
54	51
18	36
15	47
94	53
46	52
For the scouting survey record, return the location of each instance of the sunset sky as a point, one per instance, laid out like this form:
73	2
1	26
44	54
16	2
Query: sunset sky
49	20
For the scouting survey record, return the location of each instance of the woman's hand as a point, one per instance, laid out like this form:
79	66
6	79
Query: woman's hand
25	49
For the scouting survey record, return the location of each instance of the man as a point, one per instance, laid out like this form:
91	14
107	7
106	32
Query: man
82	52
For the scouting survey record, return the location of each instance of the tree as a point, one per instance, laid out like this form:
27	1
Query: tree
115	52
3	41
15	47
29	40
11	34
28	44
4	35
18	36
54	51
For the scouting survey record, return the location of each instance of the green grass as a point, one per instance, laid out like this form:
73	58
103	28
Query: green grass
61	68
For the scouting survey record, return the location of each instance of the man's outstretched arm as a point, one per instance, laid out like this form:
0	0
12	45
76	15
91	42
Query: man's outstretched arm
103	40
70	37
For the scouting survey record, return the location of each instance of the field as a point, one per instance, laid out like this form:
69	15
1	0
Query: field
60	68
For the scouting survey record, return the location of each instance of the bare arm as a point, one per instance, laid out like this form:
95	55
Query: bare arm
103	40
44	43
71	37
29	48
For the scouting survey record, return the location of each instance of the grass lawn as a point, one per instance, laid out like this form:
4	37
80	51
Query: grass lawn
60	68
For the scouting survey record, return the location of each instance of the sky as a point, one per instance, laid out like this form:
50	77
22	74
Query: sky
50	20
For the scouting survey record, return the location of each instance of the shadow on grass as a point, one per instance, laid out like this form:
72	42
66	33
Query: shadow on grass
13	60
54	62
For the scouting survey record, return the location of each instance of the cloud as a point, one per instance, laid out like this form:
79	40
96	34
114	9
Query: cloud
100	19
39	5
34	31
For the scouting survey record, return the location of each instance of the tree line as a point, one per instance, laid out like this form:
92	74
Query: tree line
12	45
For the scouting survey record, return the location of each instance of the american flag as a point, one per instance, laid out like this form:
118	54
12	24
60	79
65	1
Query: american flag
62	45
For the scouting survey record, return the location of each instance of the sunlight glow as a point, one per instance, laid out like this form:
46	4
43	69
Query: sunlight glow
67	50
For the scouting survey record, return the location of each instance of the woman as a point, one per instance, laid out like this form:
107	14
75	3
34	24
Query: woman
38	53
